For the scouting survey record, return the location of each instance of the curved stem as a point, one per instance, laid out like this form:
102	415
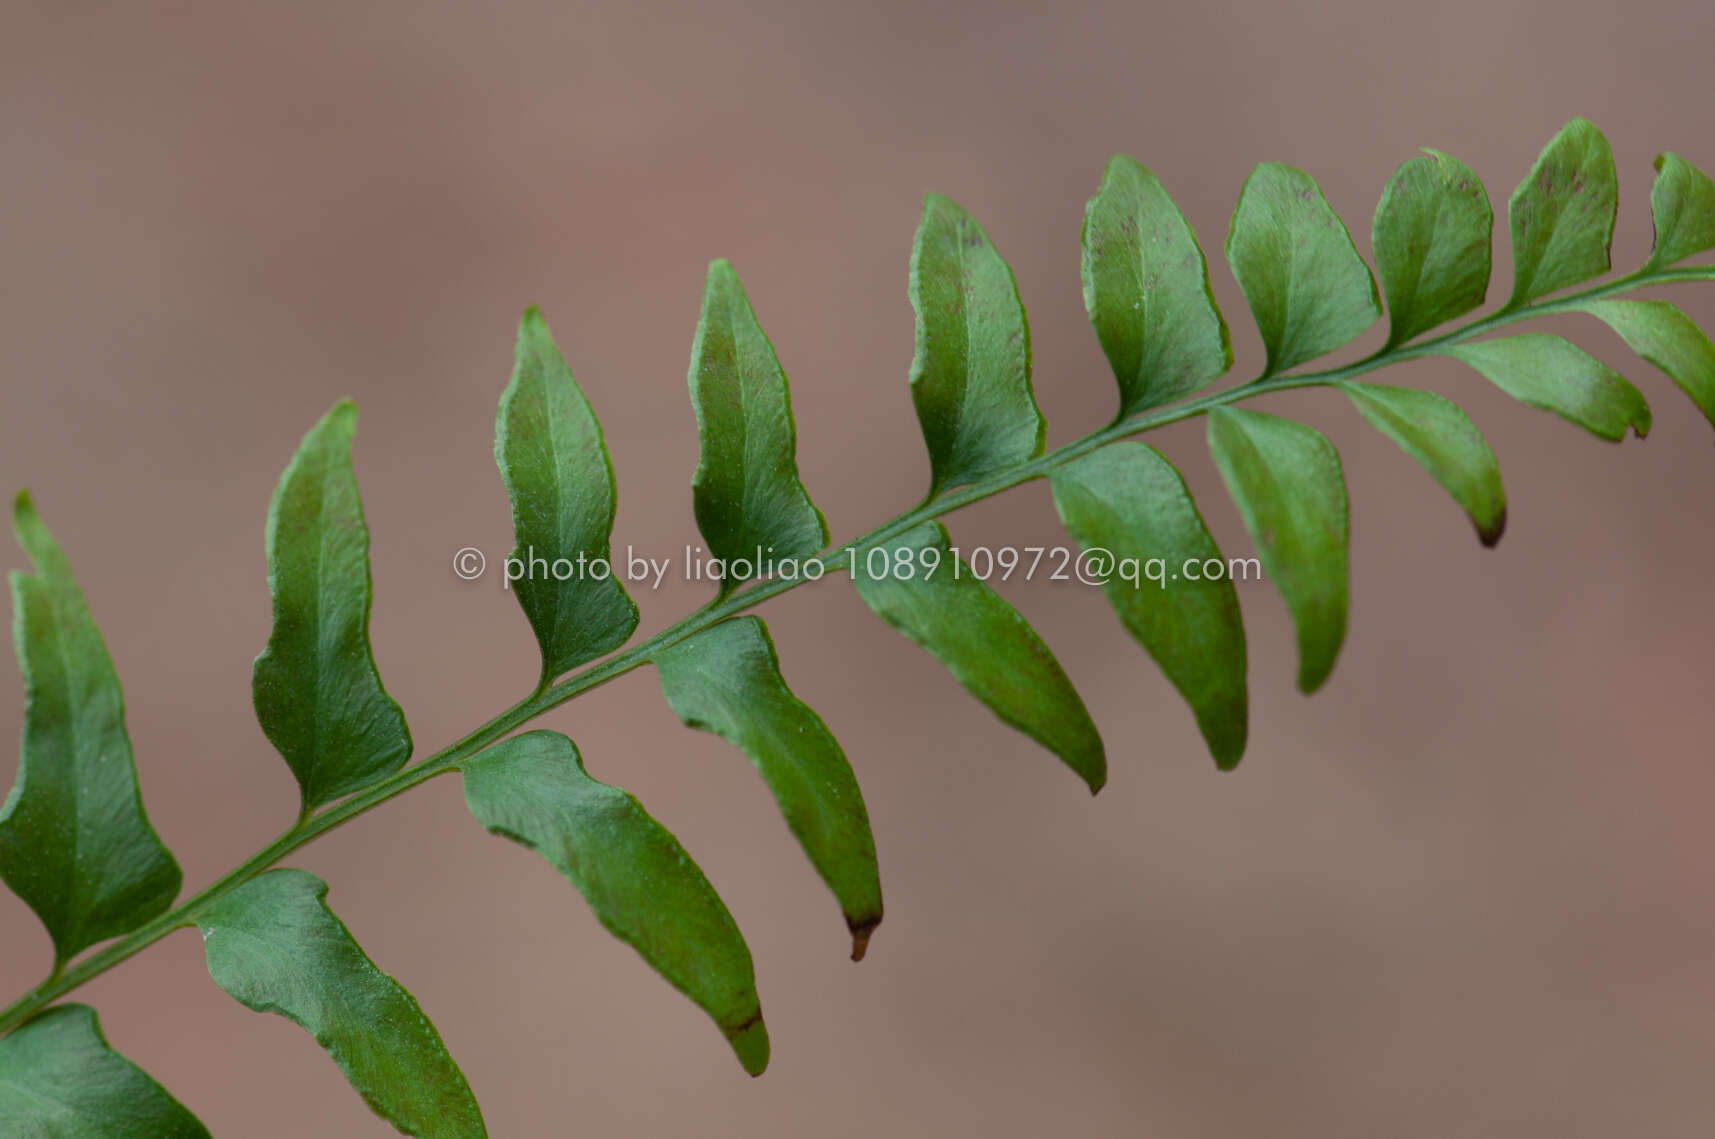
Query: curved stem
834	559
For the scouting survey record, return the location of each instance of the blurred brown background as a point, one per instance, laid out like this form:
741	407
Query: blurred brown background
1463	892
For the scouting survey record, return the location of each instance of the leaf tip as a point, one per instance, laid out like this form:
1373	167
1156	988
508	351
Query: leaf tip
946	210
862	931
342	415
722	288
1228	747
1090	759
1313	674
1490	533
750	1043
31	532
1121	166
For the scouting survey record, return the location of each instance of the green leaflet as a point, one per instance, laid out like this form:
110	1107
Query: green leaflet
749	501
982	640
726	680
1562	214
533	789
75	842
555	465
1431	240
970	377
1438	434
1127	499
318	696
1306	285
59	1079
1683	202
276	947
1662	334
1555	375
1286	479
1146	288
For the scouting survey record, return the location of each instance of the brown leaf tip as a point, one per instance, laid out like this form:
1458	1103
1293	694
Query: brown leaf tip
861	933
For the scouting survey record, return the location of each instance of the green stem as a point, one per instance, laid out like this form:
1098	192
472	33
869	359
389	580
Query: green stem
548	696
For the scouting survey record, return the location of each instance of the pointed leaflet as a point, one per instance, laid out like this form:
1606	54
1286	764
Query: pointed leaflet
1146	287
555	465
919	586
1306	285
970	377
1285	478
59	1079
1562	214
533	789
1554	374
749	502
727	680
1431	241
1128	500
318	696
1438	434
1683	201
276	947
1662	334
75	842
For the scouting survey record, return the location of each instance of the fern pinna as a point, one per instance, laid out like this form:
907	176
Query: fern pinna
77	845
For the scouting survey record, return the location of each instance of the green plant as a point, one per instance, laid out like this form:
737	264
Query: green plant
75	842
